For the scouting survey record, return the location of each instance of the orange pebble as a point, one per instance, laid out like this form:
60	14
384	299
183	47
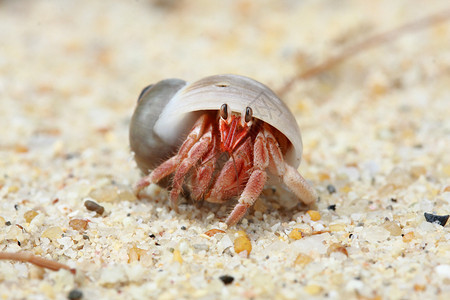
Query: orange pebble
213	231
296	234
314	214
242	243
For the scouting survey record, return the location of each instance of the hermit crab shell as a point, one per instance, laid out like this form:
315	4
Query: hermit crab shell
167	111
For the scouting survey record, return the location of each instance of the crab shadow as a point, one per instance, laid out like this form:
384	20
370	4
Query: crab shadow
273	206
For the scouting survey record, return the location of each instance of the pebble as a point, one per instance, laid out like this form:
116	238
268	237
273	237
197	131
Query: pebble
200	247
52	233
13	189
29	215
302	259
408	237
93	206
313	289
443	271
78	224
337	247
441	220
177	256
226	279
337	227
375	234
135	253
332	207
107	193
242	243
331	189
296	234
112	274
75	295
213	232
314	215
393	228
224	243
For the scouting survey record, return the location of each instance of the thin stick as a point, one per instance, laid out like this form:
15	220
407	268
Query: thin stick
35	260
371	42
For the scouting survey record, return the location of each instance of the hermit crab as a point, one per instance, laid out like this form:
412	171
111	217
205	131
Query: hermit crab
222	137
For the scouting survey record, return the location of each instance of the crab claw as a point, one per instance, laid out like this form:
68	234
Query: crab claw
237	214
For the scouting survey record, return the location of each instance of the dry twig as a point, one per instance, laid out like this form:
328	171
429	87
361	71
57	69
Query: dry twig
371	42
35	260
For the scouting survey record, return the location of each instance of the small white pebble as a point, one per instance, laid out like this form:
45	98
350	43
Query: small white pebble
66	242
21	270
183	247
224	243
128	222
210	217
354	285
426	205
446	197
112	274
357	217
223	226
313	244
275	227
135	272
375	234
318	227
352	173
443	271
427	227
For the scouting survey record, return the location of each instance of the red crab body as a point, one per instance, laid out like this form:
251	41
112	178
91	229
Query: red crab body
254	148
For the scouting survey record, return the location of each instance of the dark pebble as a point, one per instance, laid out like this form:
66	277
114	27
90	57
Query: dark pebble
152	236
331	189
16	206
183	228
69	156
226	279
93	206
332	207
75	295
441	220
8	223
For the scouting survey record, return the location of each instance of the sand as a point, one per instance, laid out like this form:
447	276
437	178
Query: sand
376	140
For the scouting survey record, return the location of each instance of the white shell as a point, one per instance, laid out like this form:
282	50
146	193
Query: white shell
238	92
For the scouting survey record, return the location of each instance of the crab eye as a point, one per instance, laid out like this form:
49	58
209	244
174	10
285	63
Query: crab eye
248	114
224	111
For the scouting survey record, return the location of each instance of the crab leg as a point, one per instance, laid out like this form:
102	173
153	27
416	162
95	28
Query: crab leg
202	177
170	165
291	177
255	183
227	183
198	150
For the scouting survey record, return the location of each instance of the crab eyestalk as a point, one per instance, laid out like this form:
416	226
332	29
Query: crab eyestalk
233	128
